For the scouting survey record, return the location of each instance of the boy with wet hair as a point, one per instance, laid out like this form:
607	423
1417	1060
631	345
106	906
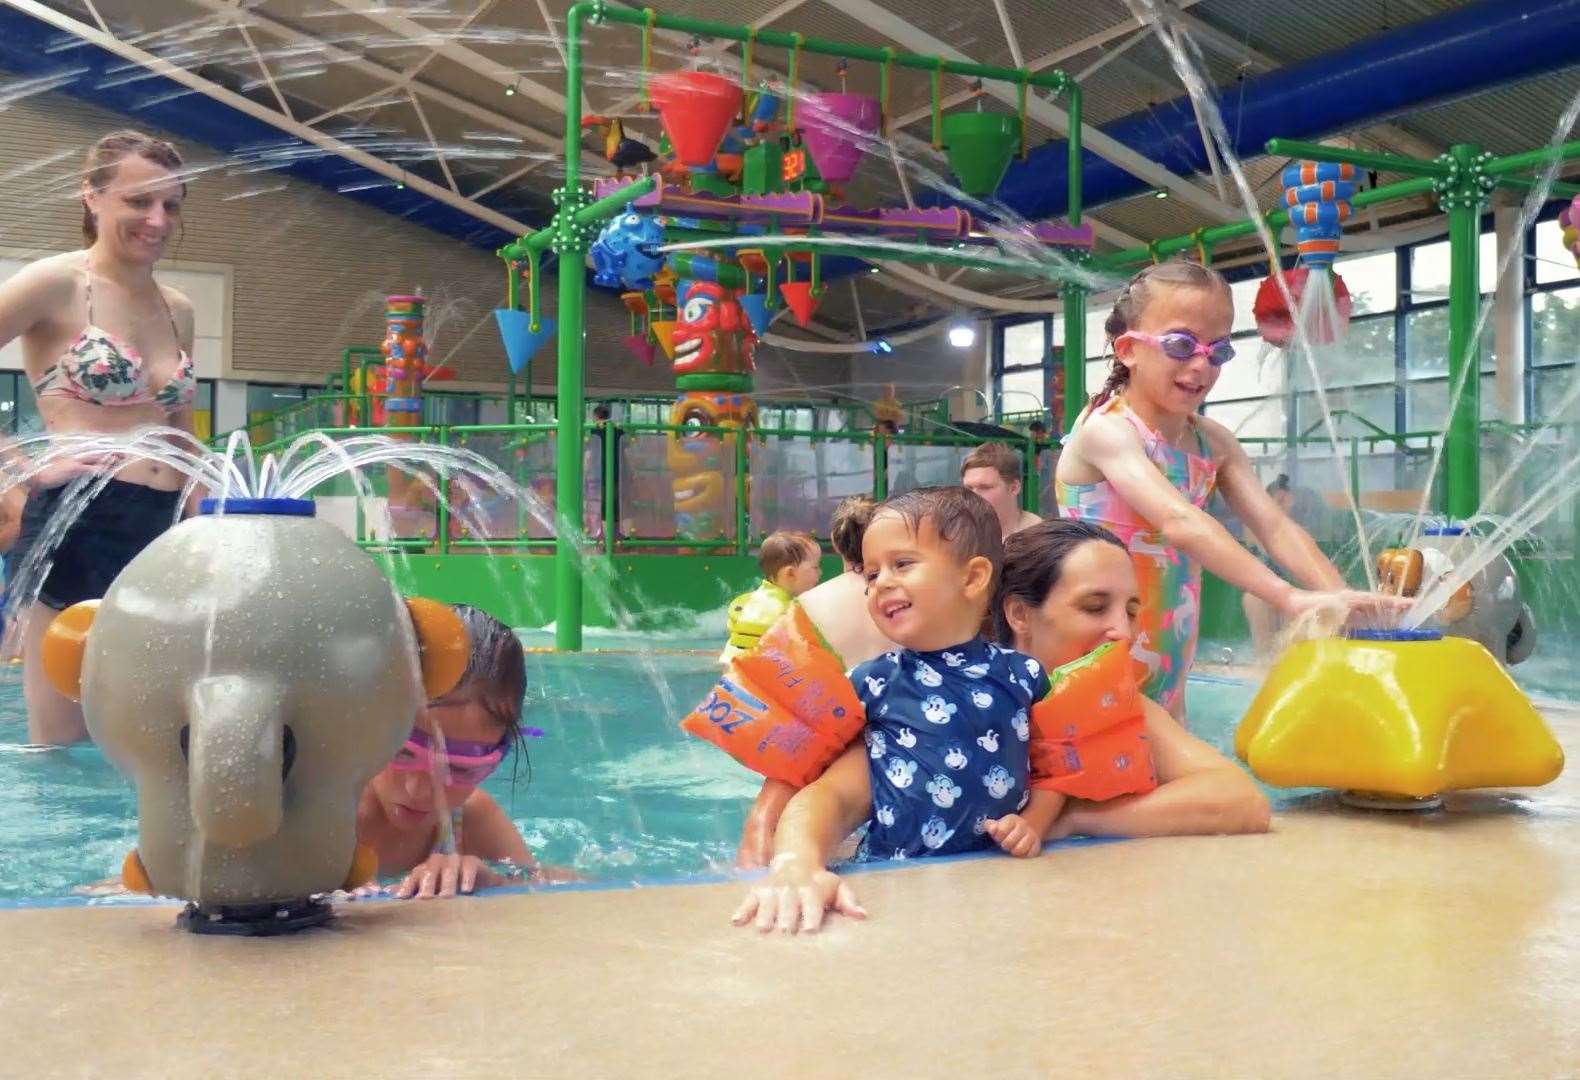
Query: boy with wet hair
791	564
944	766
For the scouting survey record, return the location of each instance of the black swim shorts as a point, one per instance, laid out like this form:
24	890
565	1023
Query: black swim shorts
120	521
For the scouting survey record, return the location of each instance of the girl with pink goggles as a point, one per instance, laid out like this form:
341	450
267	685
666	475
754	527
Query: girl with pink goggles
464	763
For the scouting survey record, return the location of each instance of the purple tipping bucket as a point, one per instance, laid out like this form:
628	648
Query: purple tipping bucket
833	127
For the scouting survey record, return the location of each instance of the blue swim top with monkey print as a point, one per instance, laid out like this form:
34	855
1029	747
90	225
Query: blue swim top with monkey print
947	735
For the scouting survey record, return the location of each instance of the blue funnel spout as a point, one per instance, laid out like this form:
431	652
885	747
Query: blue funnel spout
520	338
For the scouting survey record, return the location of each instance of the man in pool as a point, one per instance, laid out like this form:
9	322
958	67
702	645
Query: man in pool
993	471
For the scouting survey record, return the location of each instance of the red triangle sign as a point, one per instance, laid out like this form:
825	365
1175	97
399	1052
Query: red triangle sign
798	296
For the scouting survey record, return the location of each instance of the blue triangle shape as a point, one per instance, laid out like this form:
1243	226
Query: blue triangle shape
521	341
756	307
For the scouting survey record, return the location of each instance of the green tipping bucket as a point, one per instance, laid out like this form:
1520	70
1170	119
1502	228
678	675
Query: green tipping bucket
980	146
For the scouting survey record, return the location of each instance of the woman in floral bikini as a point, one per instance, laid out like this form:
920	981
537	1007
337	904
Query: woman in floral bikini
108	350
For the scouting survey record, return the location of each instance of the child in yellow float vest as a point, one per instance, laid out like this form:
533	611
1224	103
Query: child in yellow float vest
791	565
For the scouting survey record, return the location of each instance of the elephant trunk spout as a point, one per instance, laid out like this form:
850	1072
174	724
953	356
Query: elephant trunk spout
236	758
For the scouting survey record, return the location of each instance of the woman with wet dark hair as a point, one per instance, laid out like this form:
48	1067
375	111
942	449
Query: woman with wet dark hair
1068	587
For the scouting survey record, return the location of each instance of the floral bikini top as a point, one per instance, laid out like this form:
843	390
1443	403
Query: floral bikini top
101	369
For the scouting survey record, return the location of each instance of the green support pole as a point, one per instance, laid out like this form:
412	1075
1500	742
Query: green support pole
1463	193
1073	176
611	512
513	302
568	449
571	241
880	467
441	517
1074	315
1028	476
512	285
367	391
1355	471
1361	159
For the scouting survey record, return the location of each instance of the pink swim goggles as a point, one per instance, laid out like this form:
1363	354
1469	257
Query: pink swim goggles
1184	346
466	763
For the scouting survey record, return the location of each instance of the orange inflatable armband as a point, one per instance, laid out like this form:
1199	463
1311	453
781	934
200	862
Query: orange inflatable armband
1089	735
785	709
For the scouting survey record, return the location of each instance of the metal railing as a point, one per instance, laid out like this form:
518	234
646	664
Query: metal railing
869	467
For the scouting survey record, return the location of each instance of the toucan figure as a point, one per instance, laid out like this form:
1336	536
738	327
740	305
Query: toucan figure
626	154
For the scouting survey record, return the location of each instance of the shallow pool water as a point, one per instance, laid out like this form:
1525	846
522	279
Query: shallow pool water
614	789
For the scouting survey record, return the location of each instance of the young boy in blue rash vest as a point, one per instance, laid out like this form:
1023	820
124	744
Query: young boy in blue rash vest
944	766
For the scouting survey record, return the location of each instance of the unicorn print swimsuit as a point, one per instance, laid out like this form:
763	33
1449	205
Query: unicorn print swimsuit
1167	624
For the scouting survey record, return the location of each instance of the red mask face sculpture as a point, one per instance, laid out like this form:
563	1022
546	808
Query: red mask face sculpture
714	335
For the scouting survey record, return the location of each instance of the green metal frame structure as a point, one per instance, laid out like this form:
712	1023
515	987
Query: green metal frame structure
1462	179
572	230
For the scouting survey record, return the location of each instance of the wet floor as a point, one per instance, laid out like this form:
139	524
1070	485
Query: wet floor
1344	943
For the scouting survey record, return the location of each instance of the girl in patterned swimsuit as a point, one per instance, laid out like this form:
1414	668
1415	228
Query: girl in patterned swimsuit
1142	462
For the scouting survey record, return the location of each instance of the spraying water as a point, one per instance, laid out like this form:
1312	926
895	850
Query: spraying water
1316	307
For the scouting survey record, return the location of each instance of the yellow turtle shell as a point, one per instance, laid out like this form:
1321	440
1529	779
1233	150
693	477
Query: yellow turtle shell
1401	717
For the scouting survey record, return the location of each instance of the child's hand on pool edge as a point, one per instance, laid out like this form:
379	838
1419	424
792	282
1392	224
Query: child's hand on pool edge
444	875
795	896
1015	835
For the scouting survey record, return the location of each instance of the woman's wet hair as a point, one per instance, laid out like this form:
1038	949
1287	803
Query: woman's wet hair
1034	562
105	157
1133	301
849	525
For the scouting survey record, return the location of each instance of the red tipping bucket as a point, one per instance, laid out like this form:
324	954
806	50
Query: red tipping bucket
834	127
1276	322
697	108
798	297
